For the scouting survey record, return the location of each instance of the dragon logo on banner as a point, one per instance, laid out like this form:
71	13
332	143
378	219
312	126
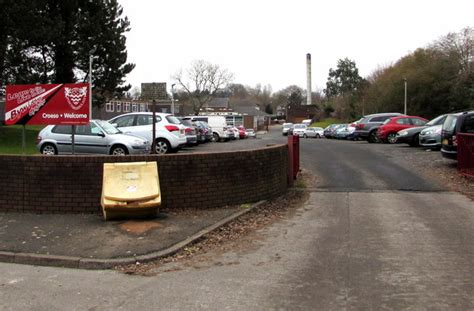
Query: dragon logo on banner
76	96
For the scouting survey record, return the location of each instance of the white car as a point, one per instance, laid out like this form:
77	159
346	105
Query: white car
316	132
236	132
286	129
299	129
169	132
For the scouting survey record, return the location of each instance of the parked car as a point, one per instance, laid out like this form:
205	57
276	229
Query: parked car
220	129
315	132
343	132
299	129
236	132
367	127
98	137
387	132
191	132
411	136
286	129
169	133
242	132
204	131
330	131
462	122
208	130
251	133
430	137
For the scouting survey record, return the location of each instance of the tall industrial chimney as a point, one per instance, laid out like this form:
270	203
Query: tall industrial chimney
308	79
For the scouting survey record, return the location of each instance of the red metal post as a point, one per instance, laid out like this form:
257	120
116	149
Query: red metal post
290	160
296	157
293	158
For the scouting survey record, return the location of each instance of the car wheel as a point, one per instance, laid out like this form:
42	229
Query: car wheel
318	136
415	142
119	150
305	136
215	137
49	149
373	137
162	146
392	138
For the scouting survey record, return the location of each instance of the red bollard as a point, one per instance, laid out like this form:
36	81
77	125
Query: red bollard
293	158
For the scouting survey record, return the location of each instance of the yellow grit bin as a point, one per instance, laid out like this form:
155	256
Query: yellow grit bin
130	189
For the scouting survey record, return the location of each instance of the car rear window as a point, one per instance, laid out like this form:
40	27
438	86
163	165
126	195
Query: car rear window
173	120
450	123
187	122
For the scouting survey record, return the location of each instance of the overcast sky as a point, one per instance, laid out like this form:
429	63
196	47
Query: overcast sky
266	41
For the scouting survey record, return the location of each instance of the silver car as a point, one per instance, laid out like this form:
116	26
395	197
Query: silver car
98	137
316	132
430	137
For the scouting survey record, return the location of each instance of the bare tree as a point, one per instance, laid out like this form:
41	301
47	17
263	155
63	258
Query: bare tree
202	81
459	45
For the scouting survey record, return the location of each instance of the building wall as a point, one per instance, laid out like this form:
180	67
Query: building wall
73	184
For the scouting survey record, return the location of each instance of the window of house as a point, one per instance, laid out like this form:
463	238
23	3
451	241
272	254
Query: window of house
109	107
119	107
142	107
134	108
126	108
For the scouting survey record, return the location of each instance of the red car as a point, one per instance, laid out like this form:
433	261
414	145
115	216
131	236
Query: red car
388	130
242	132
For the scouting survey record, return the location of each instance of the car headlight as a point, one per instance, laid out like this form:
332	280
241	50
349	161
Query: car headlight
429	132
138	142
403	133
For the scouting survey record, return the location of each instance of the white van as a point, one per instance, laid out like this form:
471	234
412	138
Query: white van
220	129
307	122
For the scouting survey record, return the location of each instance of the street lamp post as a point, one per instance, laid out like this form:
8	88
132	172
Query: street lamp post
172	98
405	105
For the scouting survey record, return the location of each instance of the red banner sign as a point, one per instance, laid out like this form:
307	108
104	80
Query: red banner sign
66	104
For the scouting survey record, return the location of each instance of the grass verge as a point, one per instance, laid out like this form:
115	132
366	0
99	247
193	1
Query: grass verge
11	139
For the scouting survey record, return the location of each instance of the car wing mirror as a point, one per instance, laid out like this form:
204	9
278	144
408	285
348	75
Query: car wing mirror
101	134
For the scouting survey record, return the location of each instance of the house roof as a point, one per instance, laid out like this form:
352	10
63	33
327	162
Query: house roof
219	102
250	110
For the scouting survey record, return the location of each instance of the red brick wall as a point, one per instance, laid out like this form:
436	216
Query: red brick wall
72	184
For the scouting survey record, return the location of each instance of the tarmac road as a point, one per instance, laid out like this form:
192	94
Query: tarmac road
373	235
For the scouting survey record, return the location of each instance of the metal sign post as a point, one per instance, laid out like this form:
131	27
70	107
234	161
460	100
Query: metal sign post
73	137
153	144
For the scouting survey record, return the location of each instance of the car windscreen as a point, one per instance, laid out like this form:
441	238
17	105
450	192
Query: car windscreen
450	123
288	126
173	120
300	126
108	128
436	121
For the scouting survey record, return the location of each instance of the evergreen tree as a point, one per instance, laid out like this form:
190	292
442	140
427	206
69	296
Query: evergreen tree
54	44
